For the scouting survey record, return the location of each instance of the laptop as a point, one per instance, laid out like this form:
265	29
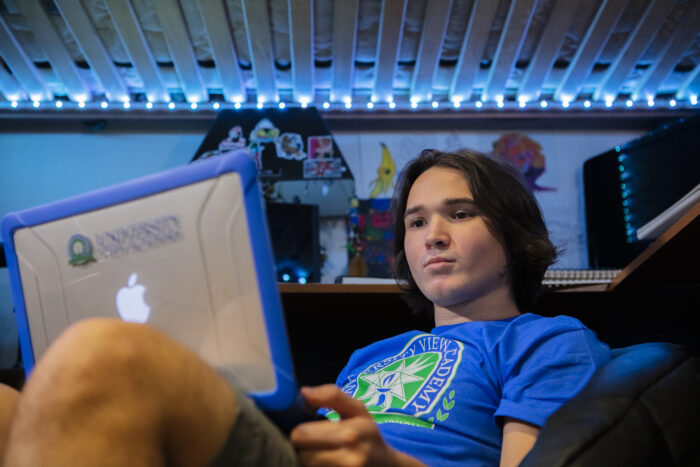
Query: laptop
186	251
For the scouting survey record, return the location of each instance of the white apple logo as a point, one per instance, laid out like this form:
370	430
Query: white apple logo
130	303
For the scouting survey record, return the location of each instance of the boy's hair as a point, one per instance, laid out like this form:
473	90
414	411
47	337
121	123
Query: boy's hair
509	209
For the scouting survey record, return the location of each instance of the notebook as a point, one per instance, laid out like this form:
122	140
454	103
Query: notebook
186	251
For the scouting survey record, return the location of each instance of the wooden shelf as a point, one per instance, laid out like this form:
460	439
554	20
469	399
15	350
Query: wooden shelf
289	288
671	259
285	287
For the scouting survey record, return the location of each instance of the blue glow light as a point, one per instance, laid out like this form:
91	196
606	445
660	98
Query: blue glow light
285	277
626	210
171	105
627	217
617	149
237	105
282	105
216	105
302	280
626	203
326	105
621	168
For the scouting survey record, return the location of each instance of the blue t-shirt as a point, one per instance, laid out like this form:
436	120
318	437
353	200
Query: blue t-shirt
440	396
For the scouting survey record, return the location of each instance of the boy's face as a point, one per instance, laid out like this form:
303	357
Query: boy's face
451	253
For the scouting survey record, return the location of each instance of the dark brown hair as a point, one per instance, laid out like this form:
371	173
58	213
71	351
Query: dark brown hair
509	209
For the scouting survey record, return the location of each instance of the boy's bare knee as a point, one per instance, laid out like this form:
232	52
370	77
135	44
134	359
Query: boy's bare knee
97	358
101	348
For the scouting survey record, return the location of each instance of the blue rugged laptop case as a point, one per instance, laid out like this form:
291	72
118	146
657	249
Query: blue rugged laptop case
285	393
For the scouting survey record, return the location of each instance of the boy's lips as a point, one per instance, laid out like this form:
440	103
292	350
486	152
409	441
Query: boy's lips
436	260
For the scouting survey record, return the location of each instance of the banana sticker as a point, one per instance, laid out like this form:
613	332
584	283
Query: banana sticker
385	174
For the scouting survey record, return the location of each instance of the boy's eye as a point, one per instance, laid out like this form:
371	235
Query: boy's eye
416	223
461	214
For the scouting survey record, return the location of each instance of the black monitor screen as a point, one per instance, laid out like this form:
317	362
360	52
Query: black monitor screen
295	241
631	184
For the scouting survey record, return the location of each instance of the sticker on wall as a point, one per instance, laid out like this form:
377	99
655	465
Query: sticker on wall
234	140
320	147
525	155
323	168
264	133
290	146
385	174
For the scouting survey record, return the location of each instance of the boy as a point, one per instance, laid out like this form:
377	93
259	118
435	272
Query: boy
471	248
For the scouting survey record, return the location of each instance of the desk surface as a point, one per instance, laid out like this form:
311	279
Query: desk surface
290	288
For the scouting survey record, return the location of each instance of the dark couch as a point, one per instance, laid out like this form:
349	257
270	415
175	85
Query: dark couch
641	409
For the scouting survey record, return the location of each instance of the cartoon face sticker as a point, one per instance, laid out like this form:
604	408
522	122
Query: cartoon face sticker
264	132
290	146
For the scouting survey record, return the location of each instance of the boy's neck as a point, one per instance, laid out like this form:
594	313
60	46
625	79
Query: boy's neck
495	306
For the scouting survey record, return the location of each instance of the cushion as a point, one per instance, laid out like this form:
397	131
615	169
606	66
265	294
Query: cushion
638	409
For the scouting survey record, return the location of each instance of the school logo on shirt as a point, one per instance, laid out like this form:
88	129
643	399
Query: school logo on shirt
410	384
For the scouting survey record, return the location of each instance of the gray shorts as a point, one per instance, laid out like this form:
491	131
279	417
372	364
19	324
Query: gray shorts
254	440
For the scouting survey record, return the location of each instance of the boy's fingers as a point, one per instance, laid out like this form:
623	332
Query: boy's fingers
334	398
323	435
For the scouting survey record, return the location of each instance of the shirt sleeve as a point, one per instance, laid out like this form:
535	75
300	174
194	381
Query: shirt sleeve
543	366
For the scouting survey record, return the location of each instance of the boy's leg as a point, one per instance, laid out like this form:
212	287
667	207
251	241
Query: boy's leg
8	403
111	393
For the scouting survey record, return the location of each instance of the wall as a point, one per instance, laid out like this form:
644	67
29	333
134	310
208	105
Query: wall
36	168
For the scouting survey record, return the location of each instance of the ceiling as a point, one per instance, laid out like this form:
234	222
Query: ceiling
349	55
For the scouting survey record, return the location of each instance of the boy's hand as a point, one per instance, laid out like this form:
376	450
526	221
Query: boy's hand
354	440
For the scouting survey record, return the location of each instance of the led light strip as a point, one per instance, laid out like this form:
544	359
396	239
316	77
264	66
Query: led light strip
349	105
